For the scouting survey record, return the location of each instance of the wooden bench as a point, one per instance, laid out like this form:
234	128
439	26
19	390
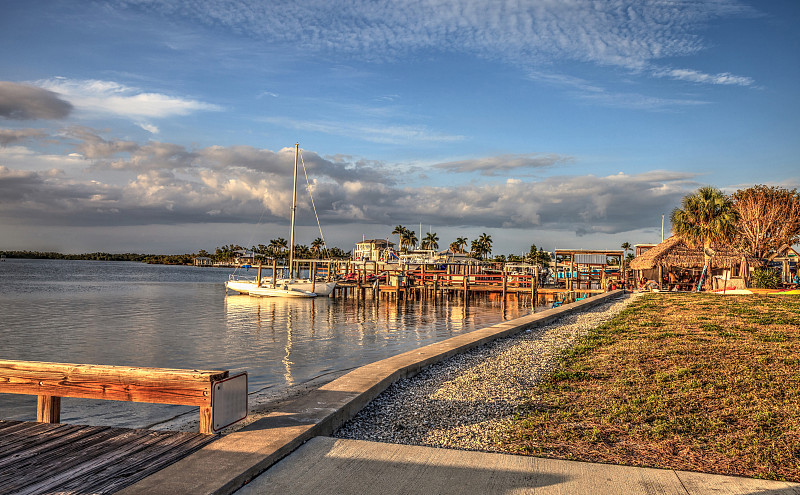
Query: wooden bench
51	381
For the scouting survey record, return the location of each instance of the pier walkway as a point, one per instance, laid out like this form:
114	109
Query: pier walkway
61	458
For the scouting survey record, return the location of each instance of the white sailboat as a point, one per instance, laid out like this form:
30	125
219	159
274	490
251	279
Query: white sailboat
287	287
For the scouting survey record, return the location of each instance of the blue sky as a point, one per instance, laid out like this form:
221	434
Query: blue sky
168	126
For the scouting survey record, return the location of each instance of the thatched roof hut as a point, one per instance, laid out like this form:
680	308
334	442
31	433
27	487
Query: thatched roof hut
675	252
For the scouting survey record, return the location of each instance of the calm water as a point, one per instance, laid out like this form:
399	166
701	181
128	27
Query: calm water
180	317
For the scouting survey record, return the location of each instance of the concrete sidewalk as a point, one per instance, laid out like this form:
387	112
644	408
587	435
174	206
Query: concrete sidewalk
327	465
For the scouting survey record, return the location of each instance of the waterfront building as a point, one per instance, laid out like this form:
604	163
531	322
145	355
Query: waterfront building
372	250
244	257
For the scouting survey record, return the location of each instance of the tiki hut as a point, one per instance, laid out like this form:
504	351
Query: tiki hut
729	267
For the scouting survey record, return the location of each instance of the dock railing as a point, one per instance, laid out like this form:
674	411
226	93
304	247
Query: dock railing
222	398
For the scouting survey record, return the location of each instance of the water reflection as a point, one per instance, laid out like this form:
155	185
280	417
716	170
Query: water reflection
314	336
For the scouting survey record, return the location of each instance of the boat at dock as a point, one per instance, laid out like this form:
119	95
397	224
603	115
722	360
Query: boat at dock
282	287
285	287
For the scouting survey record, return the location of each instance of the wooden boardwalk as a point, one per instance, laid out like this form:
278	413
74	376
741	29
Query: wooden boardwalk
49	457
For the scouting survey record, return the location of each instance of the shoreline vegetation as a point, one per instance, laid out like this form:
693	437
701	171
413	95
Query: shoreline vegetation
693	382
153	259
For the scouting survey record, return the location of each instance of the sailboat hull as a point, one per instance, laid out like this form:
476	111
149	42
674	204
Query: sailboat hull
283	288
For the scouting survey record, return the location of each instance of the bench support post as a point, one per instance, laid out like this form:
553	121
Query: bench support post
206	418
48	409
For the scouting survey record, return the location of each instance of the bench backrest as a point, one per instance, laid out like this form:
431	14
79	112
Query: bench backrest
51	381
91	381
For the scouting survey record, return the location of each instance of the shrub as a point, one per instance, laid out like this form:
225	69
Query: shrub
766	278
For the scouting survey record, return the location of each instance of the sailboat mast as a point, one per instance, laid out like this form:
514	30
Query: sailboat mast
294	207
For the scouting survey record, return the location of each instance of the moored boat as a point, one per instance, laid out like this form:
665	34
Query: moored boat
284	287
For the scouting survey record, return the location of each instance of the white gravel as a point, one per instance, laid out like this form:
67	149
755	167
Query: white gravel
465	401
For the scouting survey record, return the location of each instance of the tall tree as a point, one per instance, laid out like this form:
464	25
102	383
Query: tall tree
278	246
408	239
538	257
769	217
458	245
400	231
486	243
301	251
626	246
431	241
317	246
476	249
706	218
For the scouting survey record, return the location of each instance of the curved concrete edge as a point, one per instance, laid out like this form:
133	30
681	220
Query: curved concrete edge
227	464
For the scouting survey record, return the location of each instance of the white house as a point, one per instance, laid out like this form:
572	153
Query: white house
371	249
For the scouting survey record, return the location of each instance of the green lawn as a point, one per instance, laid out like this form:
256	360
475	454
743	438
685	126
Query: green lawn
694	382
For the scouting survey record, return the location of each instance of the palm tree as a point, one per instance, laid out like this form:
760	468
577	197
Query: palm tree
705	218
400	231
480	247
431	241
486	243
460	243
301	251
278	246
626	246
317	246
408	239
475	248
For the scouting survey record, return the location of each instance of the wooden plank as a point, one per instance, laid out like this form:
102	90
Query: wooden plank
111	477
58	460
163	386
17	440
107	455
25	447
108	370
26	429
86	459
8	424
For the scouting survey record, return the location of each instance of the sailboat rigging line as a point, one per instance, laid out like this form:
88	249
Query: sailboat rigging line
253	233
308	188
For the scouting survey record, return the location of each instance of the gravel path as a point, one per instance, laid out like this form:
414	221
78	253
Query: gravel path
465	401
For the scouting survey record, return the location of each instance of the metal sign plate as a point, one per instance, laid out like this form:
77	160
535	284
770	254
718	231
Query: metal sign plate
229	401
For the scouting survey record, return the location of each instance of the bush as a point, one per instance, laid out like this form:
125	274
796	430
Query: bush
766	278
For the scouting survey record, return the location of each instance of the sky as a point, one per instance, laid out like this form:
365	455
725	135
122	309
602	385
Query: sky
169	126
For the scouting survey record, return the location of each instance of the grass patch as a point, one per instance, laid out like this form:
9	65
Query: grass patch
692	382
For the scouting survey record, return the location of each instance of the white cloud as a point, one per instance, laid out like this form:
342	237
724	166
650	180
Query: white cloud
168	184
108	97
623	33
148	127
724	78
504	163
396	134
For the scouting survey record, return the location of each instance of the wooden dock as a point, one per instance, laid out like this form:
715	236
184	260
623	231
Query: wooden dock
73	459
376	279
417	285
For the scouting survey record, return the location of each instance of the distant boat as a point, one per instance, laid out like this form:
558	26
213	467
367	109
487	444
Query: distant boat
286	287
